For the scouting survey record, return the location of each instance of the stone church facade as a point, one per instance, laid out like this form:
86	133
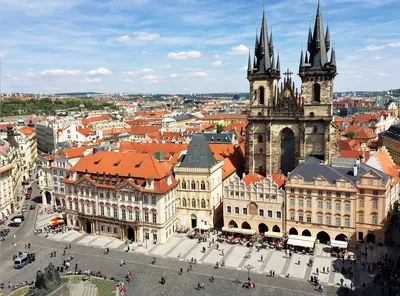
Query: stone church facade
285	125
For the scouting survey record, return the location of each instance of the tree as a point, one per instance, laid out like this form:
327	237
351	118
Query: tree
220	128
351	135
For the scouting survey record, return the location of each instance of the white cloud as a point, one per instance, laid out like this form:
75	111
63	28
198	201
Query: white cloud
216	56
394	44
139	73
149	77
60	72
195	69
378	58
382	74
144	52
184	55
217	63
167	67
174	75
146	36
127	80
92	80
198	74
124	38
99	71
19	79
373	47
1	55
241	49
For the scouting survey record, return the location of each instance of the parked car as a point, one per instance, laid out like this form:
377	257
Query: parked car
32	207
23	210
15	223
19	217
4	231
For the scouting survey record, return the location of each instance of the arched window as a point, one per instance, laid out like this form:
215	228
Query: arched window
203	204
203	185
183	184
260	150
261	95
184	202
193	185
316	93
260	139
312	115
193	203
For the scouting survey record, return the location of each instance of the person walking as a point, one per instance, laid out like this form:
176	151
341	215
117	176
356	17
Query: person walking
181	270
15	236
262	258
317	271
323	269
222	252
198	285
327	269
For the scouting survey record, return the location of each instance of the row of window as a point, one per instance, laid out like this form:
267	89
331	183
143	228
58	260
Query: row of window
261	212
193	186
124	197
374	219
235	194
328	204
328	219
109	229
329	193
193	203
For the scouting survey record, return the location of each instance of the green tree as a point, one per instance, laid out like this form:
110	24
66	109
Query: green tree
220	127
351	135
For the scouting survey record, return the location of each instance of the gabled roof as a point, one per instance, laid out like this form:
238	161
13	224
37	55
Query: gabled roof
199	154
252	178
382	161
85	131
74	152
220	138
90	120
26	130
392	133
144	129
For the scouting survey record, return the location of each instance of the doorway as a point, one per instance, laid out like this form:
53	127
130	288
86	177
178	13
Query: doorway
287	151
89	227
193	218
131	234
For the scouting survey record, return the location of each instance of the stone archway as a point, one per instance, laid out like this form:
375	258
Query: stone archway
306	232
288	150
48	197
193	219
276	228
262	228
341	237
293	231
246	225
323	237
232	224
370	238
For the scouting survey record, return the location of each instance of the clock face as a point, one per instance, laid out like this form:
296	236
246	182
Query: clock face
286	93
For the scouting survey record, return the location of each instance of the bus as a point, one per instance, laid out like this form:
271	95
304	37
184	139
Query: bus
21	261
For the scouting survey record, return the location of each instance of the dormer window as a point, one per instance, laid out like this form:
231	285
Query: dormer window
149	183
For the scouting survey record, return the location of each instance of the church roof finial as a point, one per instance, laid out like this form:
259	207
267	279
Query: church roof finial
327	37
271	43
306	60
264	46
301	59
333	57
278	64
249	67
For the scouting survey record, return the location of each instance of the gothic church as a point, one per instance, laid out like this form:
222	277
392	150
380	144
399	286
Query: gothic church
285	126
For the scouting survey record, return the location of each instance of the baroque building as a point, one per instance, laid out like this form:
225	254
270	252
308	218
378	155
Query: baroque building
285	125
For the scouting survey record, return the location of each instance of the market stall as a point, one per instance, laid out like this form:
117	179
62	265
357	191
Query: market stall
306	243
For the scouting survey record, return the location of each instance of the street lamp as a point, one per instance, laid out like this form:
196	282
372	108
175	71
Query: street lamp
248	267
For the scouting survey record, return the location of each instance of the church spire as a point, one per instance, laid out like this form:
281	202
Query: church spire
273	62
306	60
301	59
249	67
327	39
271	44
265	45
333	57
278	64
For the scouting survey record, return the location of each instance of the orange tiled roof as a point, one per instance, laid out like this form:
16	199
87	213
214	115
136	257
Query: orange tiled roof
85	131
90	120
49	157
365	118
6	168
224	117
115	131
74	152
27	130
252	178
278	179
388	166
355	154
169	149
144	129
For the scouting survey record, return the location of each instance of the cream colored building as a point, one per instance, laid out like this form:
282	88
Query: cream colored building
254	203
199	176
124	195
337	202
7	200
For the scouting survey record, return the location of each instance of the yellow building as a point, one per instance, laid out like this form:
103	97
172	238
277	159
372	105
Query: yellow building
255	204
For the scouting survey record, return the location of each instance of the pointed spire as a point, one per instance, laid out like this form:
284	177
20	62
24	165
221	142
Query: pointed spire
301	59
249	67
265	45
306	61
278	64
256	45
327	39
273	62
271	43
333	57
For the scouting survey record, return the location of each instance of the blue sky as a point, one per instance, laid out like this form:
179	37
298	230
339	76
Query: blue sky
183	46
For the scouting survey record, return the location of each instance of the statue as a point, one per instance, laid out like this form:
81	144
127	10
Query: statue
46	282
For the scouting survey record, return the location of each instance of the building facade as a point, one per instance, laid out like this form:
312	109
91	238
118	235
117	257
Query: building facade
337	202
255	202
7	200
125	195
283	122
391	140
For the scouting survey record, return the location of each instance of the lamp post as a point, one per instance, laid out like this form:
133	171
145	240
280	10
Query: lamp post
248	267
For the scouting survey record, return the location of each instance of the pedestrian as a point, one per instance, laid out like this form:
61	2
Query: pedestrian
9	284
262	258
273	273
69	246
64	253
317	271
76	266
323	269
54	254
198	285
327	270
191	267
25	245
29	245
64	262
15	236
217	247
213	240
181	270
312	279
222	252
341	282
203	285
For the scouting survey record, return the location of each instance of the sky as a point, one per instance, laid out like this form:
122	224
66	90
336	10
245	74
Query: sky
185	46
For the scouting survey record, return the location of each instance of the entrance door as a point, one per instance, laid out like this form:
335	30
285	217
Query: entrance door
194	221
89	227
287	150
131	234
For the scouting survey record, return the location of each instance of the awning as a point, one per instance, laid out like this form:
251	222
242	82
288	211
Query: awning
273	234
239	230
301	241
203	227
339	244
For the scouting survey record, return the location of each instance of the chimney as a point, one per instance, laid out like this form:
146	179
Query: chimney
355	171
358	162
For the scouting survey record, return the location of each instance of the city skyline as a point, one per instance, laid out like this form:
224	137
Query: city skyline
153	46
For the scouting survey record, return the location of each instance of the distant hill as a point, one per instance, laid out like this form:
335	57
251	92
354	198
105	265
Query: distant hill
78	94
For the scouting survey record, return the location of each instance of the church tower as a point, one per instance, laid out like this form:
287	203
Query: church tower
284	126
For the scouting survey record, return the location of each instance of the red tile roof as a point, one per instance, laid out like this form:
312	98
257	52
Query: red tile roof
90	120
252	178
26	130
144	129
85	131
